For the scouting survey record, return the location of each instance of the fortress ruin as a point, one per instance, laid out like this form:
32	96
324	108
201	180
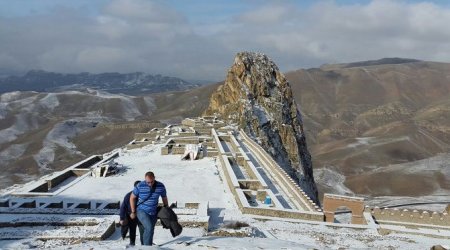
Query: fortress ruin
259	186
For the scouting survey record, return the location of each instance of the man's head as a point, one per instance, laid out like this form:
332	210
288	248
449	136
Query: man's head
136	183
150	178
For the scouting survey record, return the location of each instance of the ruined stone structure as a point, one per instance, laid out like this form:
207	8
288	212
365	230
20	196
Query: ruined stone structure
355	204
243	166
259	185
242	160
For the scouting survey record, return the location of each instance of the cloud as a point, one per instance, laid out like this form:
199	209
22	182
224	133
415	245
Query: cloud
154	37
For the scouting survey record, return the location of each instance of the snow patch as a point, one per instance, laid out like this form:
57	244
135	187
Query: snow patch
60	135
3	110
12	152
21	125
149	102
360	141
332	179
130	110
45	156
50	101
10	96
261	114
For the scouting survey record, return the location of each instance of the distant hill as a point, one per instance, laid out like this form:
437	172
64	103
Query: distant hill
394	60
43	132
360	120
131	83
365	125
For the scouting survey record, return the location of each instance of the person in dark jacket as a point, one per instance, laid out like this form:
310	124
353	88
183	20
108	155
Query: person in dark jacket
126	222
169	220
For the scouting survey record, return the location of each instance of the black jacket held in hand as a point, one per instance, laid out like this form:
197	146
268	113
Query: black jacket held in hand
169	220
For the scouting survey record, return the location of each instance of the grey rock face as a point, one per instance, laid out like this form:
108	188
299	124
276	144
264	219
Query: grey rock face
257	96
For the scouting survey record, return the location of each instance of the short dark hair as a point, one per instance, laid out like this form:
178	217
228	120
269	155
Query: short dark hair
136	183
150	174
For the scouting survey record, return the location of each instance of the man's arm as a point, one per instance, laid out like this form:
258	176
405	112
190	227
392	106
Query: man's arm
133	205
165	201
164	197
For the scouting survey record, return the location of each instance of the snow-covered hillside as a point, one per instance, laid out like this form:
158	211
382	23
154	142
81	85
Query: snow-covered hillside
37	130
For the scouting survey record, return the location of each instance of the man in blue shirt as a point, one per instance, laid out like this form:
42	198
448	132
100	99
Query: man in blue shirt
147	193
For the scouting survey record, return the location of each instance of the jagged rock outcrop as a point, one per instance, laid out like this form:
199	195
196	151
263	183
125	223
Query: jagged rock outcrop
257	96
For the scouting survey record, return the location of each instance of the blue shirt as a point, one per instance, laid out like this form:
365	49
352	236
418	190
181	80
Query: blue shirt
149	197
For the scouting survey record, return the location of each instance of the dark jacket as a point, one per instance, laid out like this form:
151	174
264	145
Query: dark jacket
125	208
169	220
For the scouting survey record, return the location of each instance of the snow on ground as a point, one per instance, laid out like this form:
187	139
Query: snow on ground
130	109
197	181
12	152
268	234
202	181
149	102
428	168
19	127
373	142
382	201
185	181
3	110
191	238
60	135
10	96
321	236
50	101
332	179
360	141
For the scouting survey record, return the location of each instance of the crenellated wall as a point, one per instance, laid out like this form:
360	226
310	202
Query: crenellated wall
253	188
385	215
280	175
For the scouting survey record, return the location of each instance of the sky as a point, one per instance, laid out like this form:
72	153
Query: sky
198	39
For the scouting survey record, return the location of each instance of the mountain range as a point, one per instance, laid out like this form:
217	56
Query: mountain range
132	83
374	128
365	120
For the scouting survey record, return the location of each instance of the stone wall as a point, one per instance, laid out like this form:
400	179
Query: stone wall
203	130
44	186
332	202
130	125
255	186
386	215
137	144
281	176
150	136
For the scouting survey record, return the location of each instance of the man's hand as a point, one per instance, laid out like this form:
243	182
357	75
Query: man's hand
165	201
133	215
121	222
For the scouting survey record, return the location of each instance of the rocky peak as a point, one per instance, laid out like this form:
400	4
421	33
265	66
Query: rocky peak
257	96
